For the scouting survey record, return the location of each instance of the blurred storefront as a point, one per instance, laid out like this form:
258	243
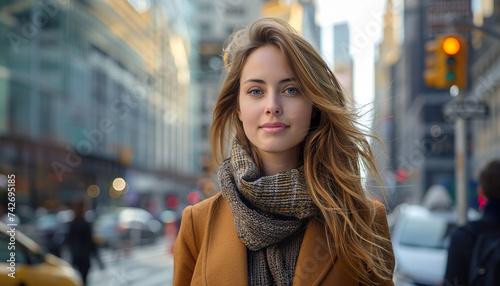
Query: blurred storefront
91	91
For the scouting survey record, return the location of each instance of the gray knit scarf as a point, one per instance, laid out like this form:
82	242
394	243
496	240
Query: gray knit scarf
270	215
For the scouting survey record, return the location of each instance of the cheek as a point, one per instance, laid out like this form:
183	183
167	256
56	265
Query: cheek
305	123
248	119
248	123
248	113
303	114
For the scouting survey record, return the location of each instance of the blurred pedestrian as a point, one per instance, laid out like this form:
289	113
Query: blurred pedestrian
292	208
463	239
80	241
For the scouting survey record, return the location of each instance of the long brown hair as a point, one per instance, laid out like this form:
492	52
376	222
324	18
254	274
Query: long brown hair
333	151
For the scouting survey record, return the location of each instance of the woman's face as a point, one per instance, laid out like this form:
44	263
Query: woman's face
275	116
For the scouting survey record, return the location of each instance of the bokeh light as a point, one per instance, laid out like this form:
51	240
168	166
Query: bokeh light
193	198
114	193
172	202
119	184
93	191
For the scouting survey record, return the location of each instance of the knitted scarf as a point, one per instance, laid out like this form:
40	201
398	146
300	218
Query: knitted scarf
270	215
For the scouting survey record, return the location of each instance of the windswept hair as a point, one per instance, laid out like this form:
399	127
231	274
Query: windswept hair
333	152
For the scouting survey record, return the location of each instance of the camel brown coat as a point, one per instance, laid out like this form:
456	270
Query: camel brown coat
208	251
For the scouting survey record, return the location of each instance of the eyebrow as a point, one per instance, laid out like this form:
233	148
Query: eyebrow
262	81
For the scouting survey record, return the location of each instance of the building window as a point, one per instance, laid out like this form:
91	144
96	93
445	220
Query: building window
19	109
205	28
46	115
99	79
235	11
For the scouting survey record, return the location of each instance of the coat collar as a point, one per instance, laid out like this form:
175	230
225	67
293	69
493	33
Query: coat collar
227	255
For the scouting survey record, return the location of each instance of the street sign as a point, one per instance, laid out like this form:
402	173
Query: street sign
466	109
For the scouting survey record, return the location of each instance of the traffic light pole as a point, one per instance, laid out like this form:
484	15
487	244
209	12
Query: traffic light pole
461	167
461	112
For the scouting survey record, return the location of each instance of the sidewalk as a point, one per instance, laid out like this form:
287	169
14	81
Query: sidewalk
147	265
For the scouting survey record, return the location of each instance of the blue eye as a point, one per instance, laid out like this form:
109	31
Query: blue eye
255	92
291	90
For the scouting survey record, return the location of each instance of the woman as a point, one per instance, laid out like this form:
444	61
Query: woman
292	209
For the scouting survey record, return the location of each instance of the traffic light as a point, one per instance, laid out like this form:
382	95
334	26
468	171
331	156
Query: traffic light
446	62
455	50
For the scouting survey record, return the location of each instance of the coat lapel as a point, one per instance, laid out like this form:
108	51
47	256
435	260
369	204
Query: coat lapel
226	262
314	260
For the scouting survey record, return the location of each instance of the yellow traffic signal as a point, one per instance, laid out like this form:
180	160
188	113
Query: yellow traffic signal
451	46
446	62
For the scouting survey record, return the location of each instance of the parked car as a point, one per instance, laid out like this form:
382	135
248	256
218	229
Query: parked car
31	265
420	239
131	225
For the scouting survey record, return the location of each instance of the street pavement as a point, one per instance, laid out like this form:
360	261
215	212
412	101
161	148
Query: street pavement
148	265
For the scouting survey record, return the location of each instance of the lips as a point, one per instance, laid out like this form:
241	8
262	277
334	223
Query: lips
274	127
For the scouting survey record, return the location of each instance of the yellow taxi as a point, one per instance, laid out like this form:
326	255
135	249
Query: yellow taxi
23	262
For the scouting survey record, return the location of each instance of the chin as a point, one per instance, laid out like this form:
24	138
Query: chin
277	146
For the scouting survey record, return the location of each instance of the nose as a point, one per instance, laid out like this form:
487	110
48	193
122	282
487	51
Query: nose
273	106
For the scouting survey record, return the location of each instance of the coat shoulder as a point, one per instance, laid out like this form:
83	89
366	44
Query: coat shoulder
201	213
205	207
379	207
206	202
380	212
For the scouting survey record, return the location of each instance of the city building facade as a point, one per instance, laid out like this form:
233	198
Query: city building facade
342	59
485	86
91	91
388	53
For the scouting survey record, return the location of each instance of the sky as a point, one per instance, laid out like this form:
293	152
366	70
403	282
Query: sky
365	19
